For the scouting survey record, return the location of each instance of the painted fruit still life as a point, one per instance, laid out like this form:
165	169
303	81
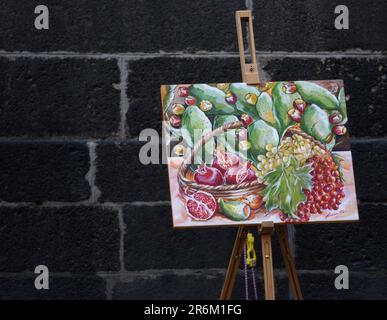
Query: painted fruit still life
243	154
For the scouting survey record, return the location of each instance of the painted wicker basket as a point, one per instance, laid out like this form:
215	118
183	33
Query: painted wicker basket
224	191
228	192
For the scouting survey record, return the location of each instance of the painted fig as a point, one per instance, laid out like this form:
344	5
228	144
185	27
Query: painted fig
260	135
283	102
246	95
316	94
234	210
315	122
265	109
194	125
214	95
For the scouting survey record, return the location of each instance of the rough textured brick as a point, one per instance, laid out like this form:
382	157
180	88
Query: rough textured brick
365	82
144	96
59	97
309	26
73	287
369	162
188	248
365	286
121	26
359	245
43	171
190	284
121	177
64	239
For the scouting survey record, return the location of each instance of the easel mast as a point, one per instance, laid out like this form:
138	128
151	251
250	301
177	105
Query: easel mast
250	75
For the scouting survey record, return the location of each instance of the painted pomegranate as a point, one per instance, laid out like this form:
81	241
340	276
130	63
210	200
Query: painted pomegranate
225	160
239	174
201	205
208	175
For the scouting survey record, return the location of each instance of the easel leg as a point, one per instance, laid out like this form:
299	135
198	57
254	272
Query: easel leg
233	265
289	262
266	231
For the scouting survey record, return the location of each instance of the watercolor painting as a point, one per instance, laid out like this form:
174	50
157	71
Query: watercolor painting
243	154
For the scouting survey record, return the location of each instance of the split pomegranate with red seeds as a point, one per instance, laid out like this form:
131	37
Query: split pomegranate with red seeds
239	174
224	160
201	205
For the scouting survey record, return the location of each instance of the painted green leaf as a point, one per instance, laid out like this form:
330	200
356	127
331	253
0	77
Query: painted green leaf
315	121
234	210
313	93
283	102
260	134
215	96
285	185
241	90
194	125
339	163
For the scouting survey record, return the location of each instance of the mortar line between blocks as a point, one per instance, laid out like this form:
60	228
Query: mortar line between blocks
122	227
95	193
123	66
128	56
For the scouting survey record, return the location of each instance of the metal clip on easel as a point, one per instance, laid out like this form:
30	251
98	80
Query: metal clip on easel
250	259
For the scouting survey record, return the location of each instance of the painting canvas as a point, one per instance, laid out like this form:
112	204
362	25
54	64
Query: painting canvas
243	154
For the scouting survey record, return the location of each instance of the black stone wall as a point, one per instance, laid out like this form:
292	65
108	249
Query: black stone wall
74	98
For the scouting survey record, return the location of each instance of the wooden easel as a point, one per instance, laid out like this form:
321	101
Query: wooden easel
250	75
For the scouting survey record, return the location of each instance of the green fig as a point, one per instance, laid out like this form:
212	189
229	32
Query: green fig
265	109
315	122
194	125
313	93
213	95
283	103
234	210
229	138
260	135
246	98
